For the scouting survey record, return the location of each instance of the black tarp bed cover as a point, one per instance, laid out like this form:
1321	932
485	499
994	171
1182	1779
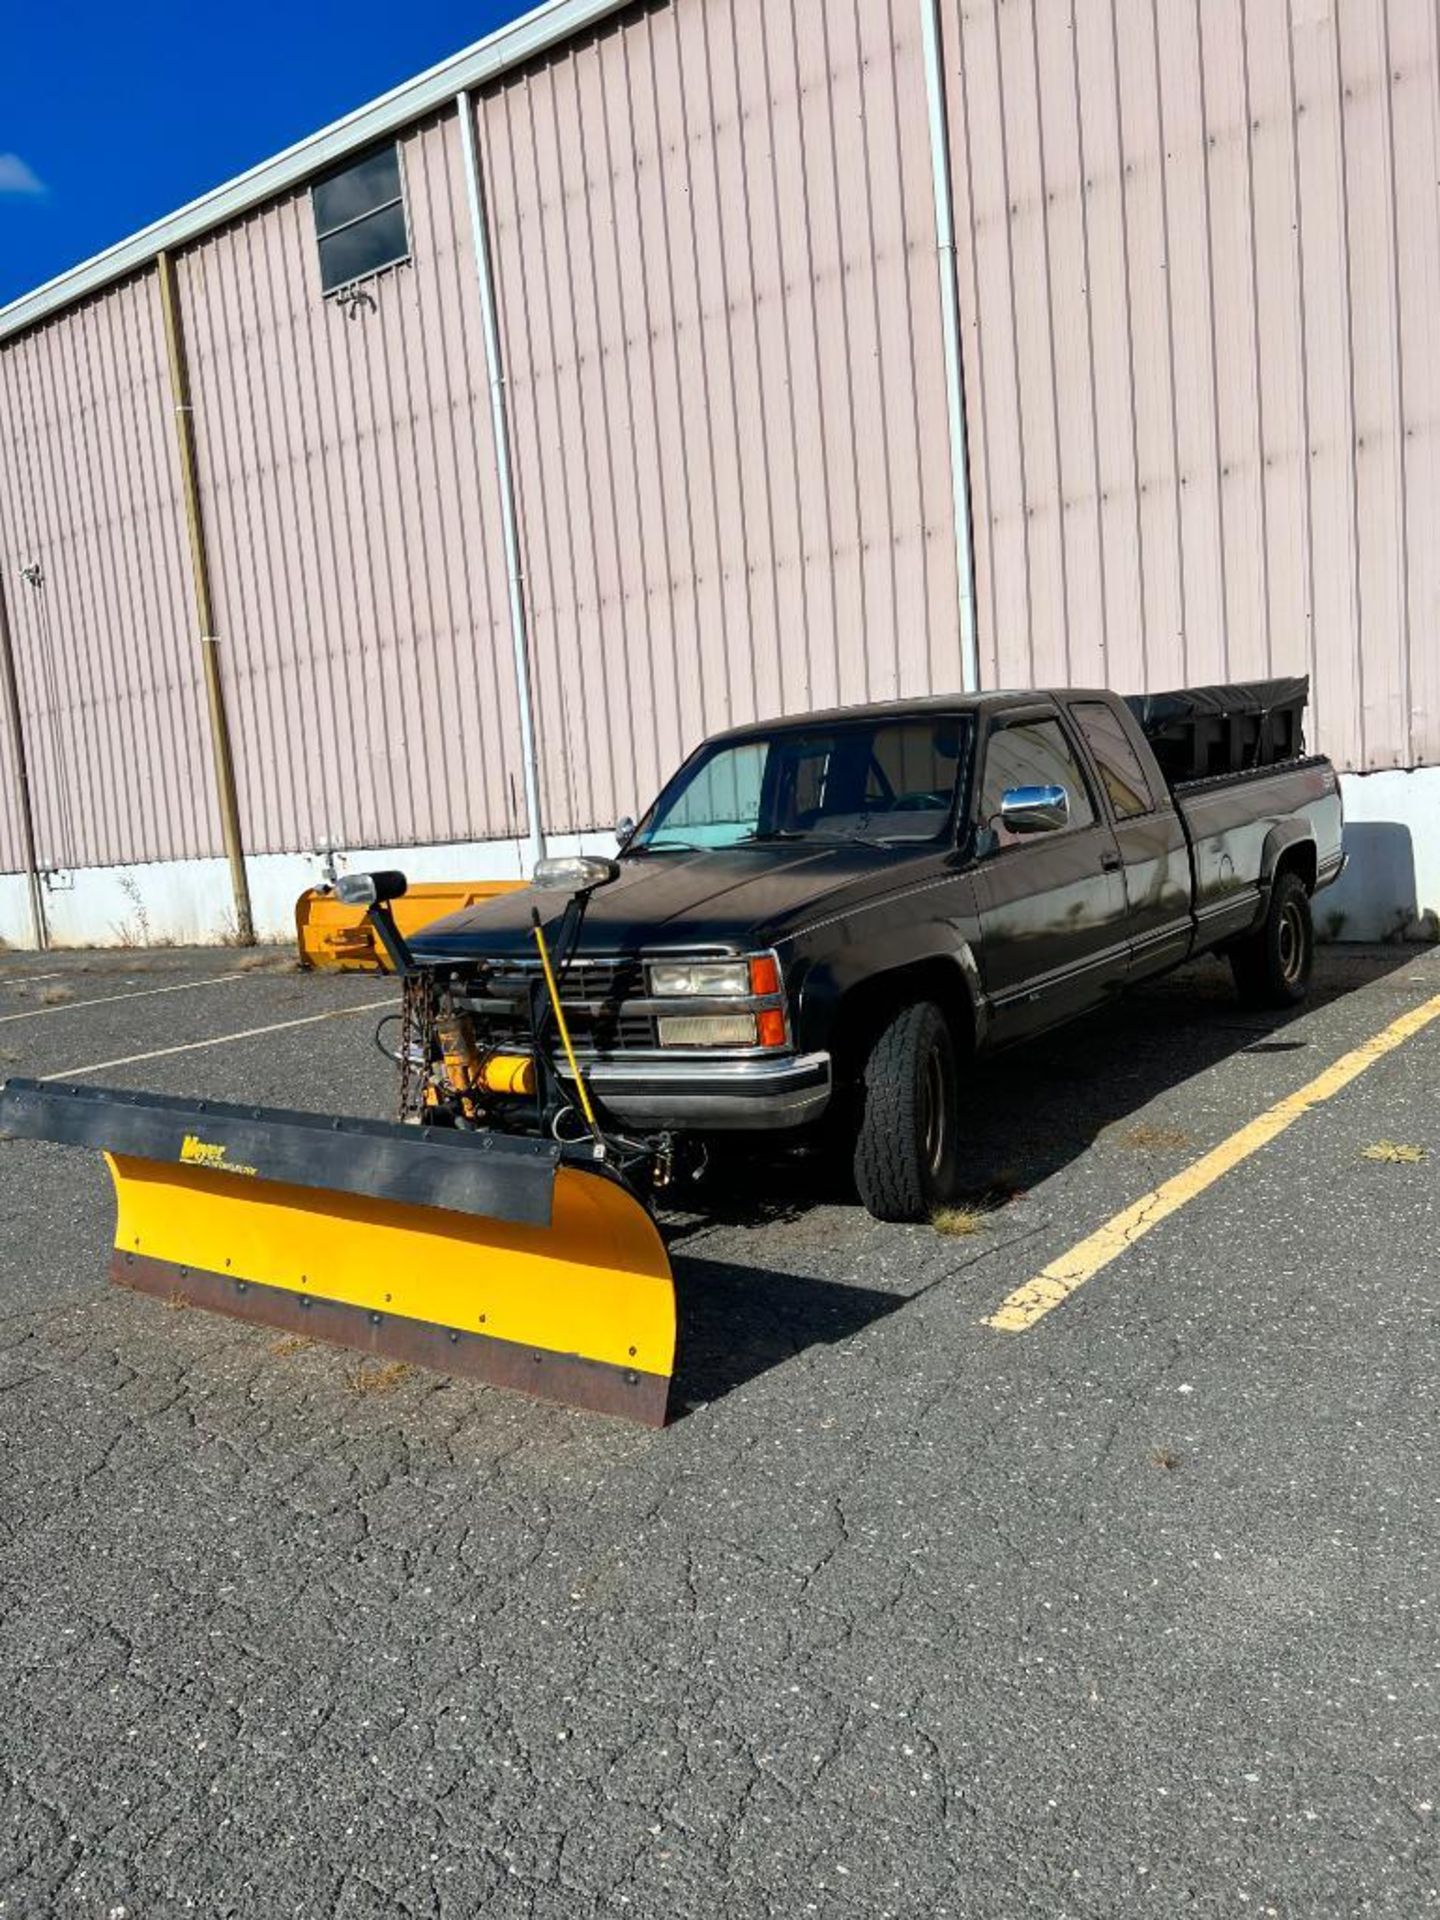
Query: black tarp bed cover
1200	732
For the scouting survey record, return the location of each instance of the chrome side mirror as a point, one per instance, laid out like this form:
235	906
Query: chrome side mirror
1034	809
624	832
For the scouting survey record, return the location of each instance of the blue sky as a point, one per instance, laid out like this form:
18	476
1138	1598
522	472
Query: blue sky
112	115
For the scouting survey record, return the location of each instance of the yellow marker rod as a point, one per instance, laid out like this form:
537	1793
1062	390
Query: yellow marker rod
559	1011
1066	1275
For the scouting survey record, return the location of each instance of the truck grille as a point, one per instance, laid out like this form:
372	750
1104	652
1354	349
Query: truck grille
591	992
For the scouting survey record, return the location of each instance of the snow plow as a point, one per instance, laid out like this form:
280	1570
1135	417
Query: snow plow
524	1256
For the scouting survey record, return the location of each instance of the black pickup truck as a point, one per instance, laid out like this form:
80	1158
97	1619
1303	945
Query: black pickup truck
820	919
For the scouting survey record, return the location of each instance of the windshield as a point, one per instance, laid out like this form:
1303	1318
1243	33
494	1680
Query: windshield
877	781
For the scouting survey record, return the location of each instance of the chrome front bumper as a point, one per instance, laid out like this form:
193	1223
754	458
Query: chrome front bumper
720	1093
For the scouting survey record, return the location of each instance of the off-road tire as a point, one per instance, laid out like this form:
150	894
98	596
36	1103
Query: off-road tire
905	1150
1272	965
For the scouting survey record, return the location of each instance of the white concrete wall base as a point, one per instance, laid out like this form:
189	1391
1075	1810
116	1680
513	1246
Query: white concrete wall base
189	902
1390	890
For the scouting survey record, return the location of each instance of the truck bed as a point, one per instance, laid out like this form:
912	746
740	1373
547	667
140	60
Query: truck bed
1230	818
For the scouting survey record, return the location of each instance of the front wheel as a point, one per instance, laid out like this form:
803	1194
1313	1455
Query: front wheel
905	1149
1272	965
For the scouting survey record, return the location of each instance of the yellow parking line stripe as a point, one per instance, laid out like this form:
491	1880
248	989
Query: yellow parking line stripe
1062	1277
215	1040
107	999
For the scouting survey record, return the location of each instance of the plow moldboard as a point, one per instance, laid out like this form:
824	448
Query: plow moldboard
581	1311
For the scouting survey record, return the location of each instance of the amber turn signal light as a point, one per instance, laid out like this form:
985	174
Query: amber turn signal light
770	1026
765	975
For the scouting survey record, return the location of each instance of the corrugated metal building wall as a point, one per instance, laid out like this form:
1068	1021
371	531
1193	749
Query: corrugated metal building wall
715	241
348	480
1199	271
1201	302
92	546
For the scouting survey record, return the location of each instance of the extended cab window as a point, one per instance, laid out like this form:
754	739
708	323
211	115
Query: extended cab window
1117	760
888	782
1031	753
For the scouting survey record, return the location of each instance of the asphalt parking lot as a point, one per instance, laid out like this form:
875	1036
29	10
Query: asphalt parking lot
1134	1610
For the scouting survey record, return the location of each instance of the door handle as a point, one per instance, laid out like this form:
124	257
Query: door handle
1111	862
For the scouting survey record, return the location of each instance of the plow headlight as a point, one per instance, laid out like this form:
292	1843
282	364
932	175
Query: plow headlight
366	889
700	979
578	872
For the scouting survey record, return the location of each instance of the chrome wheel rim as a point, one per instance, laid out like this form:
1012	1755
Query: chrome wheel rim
1292	943
933	1110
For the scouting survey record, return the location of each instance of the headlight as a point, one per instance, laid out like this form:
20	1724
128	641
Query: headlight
700	979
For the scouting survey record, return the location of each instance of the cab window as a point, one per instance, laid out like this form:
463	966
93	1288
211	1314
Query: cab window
1031	753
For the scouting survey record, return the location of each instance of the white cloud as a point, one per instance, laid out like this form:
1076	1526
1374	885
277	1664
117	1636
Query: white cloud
18	178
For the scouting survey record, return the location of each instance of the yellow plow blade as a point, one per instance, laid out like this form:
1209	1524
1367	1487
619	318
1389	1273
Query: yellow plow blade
528	1273
330	933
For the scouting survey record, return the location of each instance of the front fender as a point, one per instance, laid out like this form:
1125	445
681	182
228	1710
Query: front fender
829	978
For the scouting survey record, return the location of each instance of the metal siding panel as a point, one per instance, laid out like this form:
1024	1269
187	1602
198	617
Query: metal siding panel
1324	240
1376	374
1112	348
808	403
1034	322
1142	146
514	211
627	575
835	425
106	653
869	661
1072	391
347	473
1005	649
1243	643
715	175
1187	269
1280	338
1415	96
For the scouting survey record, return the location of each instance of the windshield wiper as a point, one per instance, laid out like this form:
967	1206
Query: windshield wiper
759	837
664	846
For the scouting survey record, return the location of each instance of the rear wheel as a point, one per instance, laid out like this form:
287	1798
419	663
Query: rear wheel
905	1146
1272	965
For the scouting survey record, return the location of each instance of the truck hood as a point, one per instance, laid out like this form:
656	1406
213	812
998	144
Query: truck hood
732	898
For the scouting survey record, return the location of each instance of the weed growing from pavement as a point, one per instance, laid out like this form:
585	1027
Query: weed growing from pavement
54	996
383	1379
958	1223
289	1343
1394	1154
1163	1457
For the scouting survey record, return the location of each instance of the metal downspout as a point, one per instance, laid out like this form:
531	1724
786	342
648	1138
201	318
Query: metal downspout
950	327
224	759
23	802
484	273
